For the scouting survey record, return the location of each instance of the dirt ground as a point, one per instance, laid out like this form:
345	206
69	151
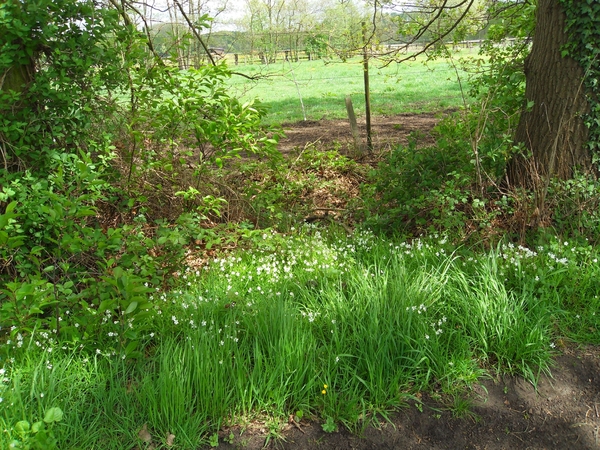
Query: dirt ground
386	132
561	412
504	413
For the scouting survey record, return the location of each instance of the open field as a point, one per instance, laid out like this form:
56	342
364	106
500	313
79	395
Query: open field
410	87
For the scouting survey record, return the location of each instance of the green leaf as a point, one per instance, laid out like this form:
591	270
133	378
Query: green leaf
85	212
131	307
106	305
10	207
36	427
131	347
22	427
54	414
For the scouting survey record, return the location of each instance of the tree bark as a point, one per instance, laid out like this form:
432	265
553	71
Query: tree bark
553	129
17	78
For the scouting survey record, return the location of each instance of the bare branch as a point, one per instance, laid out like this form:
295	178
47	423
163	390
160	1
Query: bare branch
127	19
438	39
195	31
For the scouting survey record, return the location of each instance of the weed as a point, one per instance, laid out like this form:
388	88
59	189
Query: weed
40	434
461	408
329	426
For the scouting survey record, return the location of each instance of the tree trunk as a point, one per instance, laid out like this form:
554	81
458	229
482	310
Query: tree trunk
17	78
552	130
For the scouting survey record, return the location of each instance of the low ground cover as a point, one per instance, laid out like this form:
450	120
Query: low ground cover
313	323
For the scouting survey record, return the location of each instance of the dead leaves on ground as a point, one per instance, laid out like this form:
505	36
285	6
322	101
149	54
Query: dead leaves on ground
146	437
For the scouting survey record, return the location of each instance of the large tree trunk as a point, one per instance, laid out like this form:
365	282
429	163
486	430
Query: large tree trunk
17	78
553	129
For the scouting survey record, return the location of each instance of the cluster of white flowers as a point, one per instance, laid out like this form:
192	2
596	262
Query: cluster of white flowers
562	261
437	326
310	315
516	255
418	309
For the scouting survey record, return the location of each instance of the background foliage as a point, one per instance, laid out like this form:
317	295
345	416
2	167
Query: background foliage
86	116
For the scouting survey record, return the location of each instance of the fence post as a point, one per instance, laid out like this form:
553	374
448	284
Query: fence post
353	126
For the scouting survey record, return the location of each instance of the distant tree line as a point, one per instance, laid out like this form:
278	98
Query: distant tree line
294	29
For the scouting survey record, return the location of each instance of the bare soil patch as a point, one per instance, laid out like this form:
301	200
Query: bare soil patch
387	131
504	413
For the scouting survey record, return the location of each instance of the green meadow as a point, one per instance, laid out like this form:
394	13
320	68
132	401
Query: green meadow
410	87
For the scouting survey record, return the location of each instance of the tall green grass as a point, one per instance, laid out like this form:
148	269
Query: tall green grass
409	87
345	328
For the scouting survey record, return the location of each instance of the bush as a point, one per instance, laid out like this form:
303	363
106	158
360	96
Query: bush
81	245
58	267
417	189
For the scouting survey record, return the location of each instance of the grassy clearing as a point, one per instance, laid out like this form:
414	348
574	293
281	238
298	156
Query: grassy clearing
410	87
339	328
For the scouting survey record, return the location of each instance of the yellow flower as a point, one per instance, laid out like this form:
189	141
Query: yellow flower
323	392
325	386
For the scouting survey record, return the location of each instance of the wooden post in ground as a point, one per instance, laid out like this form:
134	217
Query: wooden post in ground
354	126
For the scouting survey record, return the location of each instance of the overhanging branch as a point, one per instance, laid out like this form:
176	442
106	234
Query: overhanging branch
195	31
424	29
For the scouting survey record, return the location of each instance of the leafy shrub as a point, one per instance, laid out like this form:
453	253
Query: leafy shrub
65	272
55	76
81	245
59	268
420	187
181	127
457	185
575	207
285	193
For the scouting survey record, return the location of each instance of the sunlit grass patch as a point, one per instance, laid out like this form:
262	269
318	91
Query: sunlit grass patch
413	86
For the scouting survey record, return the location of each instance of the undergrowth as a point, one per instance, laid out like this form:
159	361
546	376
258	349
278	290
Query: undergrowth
255	336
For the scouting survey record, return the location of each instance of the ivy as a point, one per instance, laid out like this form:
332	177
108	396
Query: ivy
583	29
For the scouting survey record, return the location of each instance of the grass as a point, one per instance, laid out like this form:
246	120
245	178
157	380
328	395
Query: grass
410	87
341	328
